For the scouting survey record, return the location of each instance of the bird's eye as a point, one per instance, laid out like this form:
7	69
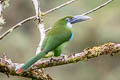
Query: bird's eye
67	19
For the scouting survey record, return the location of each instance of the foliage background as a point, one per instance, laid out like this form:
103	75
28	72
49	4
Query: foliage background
105	27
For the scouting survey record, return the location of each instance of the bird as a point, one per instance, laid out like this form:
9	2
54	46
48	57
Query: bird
56	39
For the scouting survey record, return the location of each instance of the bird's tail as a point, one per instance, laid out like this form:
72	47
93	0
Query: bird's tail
30	62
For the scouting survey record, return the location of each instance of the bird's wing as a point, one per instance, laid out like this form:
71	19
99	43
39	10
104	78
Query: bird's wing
53	41
44	43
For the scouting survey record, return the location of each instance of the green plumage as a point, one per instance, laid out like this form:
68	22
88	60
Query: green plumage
33	60
56	39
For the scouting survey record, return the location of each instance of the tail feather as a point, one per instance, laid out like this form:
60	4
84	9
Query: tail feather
31	61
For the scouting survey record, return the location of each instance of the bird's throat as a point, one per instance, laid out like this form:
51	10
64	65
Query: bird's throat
69	25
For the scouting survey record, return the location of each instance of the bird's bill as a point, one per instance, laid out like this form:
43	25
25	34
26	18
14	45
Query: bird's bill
79	18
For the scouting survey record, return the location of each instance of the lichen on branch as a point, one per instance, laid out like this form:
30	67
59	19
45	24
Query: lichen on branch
8	67
88	53
3	5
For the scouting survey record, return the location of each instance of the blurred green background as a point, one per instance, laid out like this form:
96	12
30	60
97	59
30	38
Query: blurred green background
21	44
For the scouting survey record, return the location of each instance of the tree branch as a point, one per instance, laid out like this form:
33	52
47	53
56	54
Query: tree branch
36	6
42	35
58	7
3	5
16	26
7	66
43	14
41	24
40	27
88	53
98	7
40	72
32	18
88	12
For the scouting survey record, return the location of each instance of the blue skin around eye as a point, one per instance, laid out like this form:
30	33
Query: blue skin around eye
71	37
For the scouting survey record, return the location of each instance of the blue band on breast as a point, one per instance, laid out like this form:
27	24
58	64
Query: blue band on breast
71	37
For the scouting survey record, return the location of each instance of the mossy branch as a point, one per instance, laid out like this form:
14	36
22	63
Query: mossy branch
8	67
36	71
88	53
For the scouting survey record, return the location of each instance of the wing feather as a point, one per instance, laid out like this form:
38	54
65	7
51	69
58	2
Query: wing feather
54	40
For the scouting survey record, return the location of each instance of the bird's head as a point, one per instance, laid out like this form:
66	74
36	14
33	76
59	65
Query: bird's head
69	20
75	19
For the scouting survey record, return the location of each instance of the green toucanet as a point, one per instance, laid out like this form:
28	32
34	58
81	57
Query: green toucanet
56	39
